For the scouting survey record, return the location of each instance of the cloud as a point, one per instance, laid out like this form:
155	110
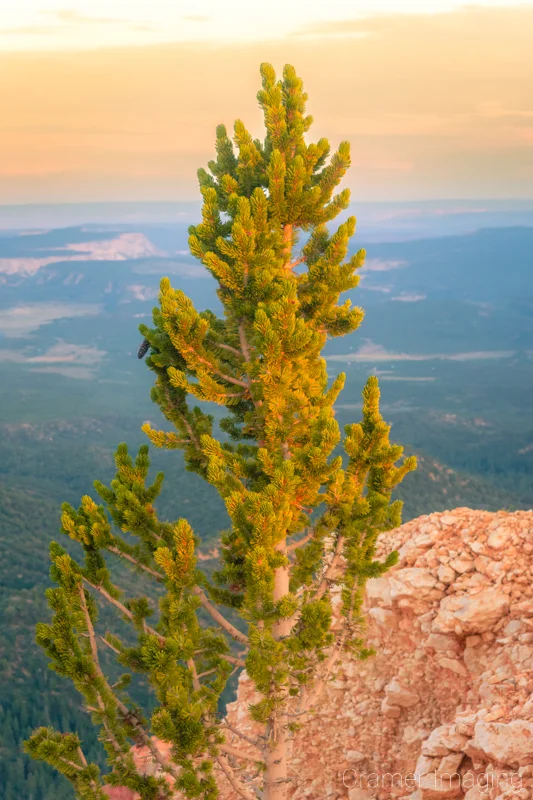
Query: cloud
139	292
10	355
383	289
19	321
421	125
353	28
73	17
31	30
196	18
409	297
375	352
79	373
382	265
77	361
171	267
378	25
66	353
405	378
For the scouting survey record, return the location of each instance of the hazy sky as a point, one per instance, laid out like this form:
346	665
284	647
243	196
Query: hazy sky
105	100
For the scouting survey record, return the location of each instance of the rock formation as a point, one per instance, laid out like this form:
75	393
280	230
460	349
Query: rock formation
445	707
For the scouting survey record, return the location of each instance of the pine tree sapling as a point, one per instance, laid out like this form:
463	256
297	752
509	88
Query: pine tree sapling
304	521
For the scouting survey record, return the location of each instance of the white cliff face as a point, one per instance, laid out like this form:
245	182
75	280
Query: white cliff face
445	707
122	247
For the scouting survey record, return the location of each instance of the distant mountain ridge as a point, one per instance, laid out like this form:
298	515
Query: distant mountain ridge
377	221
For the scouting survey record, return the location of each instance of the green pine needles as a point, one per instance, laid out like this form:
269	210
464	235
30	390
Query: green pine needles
304	522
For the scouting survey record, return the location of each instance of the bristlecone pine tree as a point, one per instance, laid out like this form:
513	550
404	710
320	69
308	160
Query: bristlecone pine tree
304	522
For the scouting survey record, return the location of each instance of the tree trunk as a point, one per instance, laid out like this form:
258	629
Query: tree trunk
276	784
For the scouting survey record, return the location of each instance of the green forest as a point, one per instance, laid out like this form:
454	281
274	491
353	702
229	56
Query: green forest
45	465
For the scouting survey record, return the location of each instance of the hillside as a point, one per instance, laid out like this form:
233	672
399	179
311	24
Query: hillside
447	330
30	694
35	478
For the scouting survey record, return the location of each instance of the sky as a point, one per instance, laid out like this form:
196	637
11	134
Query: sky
111	100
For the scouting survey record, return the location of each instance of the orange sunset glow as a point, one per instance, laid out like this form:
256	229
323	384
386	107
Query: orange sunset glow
109	103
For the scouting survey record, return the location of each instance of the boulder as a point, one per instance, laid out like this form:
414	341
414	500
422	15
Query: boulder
471	613
505	743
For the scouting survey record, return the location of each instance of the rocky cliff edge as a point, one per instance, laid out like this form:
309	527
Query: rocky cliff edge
445	707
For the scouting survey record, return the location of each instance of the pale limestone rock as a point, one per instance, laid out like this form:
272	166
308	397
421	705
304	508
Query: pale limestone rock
450	764
398	695
423	766
471	613
475	793
446	574
389	710
442	643
439	787
453	664
465	725
443	740
462	564
411	581
434	746
355	756
448	519
412	734
384	617
510	743
360	794
499	538
378	592
512	627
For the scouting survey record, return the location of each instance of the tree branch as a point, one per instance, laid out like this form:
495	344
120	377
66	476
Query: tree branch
96	663
217	616
185	423
191	666
121	607
215	371
309	698
287	245
90	631
117	551
237	785
70	763
245	347
254	742
330	571
114	649
232	751
229	379
128	716
232	660
229	348
238	662
300	543
295	263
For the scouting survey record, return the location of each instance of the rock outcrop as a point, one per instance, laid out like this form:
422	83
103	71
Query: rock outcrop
445	707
